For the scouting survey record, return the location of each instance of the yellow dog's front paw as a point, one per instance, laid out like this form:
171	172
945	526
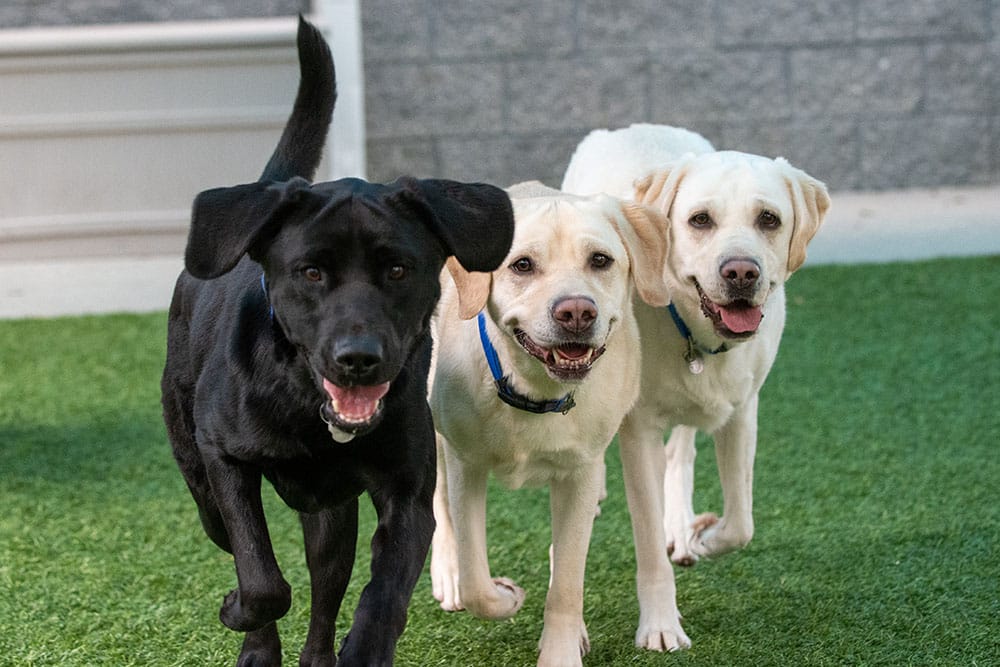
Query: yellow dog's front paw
504	600
563	648
669	638
715	537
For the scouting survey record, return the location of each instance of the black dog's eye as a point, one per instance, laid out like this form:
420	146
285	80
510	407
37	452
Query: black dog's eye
523	265
700	220
600	261
312	274
768	220
397	272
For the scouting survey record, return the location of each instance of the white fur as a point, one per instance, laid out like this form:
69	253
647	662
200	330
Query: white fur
625	155
662	167
480	435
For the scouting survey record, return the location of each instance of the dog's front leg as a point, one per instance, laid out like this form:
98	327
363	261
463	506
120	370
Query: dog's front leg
482	595
735	449
330	540
444	551
643	464
678	489
399	549
564	634
262	594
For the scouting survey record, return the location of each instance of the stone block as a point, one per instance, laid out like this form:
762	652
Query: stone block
906	19
541	158
502	28
644	24
395	30
960	77
925	152
826	149
785	22
508	159
857	80
407	100
705	85
388	159
584	92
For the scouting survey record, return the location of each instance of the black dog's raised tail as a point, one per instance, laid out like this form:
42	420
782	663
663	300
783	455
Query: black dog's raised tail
301	146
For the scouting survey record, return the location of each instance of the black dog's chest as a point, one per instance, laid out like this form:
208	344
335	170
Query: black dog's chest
313	484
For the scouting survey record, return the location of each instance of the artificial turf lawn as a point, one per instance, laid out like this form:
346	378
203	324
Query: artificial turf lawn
875	501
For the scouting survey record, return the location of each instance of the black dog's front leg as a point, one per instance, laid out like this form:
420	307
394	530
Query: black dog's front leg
262	594
331	538
399	548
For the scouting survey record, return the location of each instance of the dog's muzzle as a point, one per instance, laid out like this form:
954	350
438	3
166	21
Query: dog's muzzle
567	361
352	411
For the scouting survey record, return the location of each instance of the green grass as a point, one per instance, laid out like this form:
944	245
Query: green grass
876	503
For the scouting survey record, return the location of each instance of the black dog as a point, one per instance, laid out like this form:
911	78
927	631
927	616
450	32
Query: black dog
298	351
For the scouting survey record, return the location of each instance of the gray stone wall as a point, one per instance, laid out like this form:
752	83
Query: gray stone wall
864	94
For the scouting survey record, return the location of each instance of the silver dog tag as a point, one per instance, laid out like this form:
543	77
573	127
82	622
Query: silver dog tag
693	357
696	365
338	435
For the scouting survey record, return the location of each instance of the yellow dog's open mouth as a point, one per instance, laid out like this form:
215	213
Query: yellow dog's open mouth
567	361
736	319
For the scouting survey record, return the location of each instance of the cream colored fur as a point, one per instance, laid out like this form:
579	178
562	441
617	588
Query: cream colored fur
679	174
479	435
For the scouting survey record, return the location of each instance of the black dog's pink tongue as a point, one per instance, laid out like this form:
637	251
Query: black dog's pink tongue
355	404
741	320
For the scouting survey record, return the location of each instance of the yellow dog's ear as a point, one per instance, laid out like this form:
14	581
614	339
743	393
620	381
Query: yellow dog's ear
659	188
810	202
643	231
473	288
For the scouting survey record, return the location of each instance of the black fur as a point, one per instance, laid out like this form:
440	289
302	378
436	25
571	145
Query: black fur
351	279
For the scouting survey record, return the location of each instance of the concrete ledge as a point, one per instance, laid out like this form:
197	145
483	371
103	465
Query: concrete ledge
909	224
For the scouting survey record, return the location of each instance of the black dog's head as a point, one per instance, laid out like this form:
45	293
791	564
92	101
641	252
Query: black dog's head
351	267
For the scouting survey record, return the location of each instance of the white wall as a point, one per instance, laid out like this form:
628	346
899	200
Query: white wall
108	132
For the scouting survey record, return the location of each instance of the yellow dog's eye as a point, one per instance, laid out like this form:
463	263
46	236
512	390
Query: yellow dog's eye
700	220
522	265
768	220
600	261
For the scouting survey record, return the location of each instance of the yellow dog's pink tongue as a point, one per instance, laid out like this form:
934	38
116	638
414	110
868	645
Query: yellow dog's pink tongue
356	404
741	320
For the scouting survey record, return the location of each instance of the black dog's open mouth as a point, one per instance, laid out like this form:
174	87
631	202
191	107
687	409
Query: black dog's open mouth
568	361
352	410
736	319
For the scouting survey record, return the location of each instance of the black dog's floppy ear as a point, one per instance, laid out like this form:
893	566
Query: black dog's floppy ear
225	222
475	221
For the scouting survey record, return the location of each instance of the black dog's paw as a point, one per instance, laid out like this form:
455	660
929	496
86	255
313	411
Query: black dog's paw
254	611
261	648
325	660
362	653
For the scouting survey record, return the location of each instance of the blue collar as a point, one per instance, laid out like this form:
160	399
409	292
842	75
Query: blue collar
694	351
263	288
506	393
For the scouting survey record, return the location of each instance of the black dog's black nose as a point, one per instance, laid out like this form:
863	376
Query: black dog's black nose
575	314
358	356
740	273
